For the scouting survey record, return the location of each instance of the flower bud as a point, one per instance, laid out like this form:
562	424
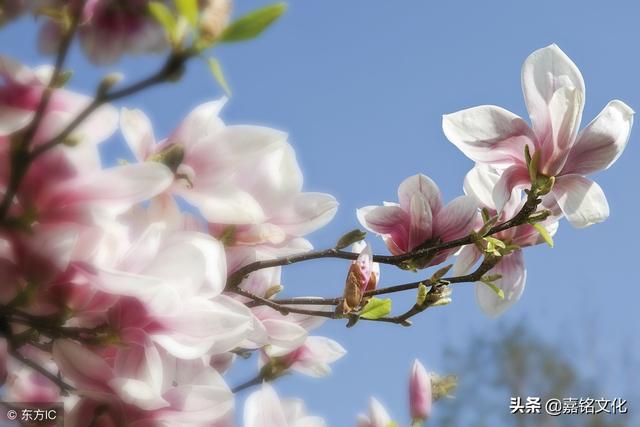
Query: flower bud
420	392
214	19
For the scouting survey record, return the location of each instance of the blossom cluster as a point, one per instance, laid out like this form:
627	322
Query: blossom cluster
122	272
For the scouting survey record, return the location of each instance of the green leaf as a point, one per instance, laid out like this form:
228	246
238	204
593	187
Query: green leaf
216	70
493	287
188	9
544	234
252	24
350	238
392	424
165	18
376	308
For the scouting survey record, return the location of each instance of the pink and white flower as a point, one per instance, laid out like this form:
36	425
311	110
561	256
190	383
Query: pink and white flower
313	358
142	385
420	398
244	180
377	416
554	93
110	28
479	183
263	408
420	218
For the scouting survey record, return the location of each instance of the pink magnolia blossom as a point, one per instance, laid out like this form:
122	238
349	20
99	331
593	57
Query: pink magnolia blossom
110	28
554	94
177	278
263	408
21	93
244	180
363	276
312	358
479	184
419	218
141	385
420	399
377	416
281	332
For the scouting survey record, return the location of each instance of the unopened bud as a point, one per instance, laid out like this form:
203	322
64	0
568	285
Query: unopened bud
214	19
350	238
274	290
109	81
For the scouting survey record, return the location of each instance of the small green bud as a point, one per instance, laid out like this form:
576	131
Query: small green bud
350	238
274	290
422	294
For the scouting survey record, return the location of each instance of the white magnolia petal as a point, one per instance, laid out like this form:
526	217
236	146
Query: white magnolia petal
225	205
263	409
82	366
488	134
13	119
203	121
480	182
543	73
509	186
138	133
284	333
138	393
600	144
308	212
512	282
467	256
423	185
582	200
115	189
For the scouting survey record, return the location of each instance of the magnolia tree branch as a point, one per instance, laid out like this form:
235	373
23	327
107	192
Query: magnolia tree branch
522	217
20	155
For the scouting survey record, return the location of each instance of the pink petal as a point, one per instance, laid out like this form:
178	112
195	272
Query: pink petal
488	134
457	219
509	185
138	133
263	409
514	277
544	72
600	144
421	223
423	185
582	200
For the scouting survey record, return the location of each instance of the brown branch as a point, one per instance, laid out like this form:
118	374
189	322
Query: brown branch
19	157
520	218
63	386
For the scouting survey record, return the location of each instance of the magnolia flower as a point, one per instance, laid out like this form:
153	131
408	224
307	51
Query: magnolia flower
479	183
554	93
420	392
177	279
419	218
109	29
363	276
311	358
160	391
20	96
244	180
377	417
263	408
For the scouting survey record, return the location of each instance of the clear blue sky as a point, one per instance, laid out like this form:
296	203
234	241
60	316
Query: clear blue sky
361	87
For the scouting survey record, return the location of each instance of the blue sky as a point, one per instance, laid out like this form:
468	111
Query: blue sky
361	86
